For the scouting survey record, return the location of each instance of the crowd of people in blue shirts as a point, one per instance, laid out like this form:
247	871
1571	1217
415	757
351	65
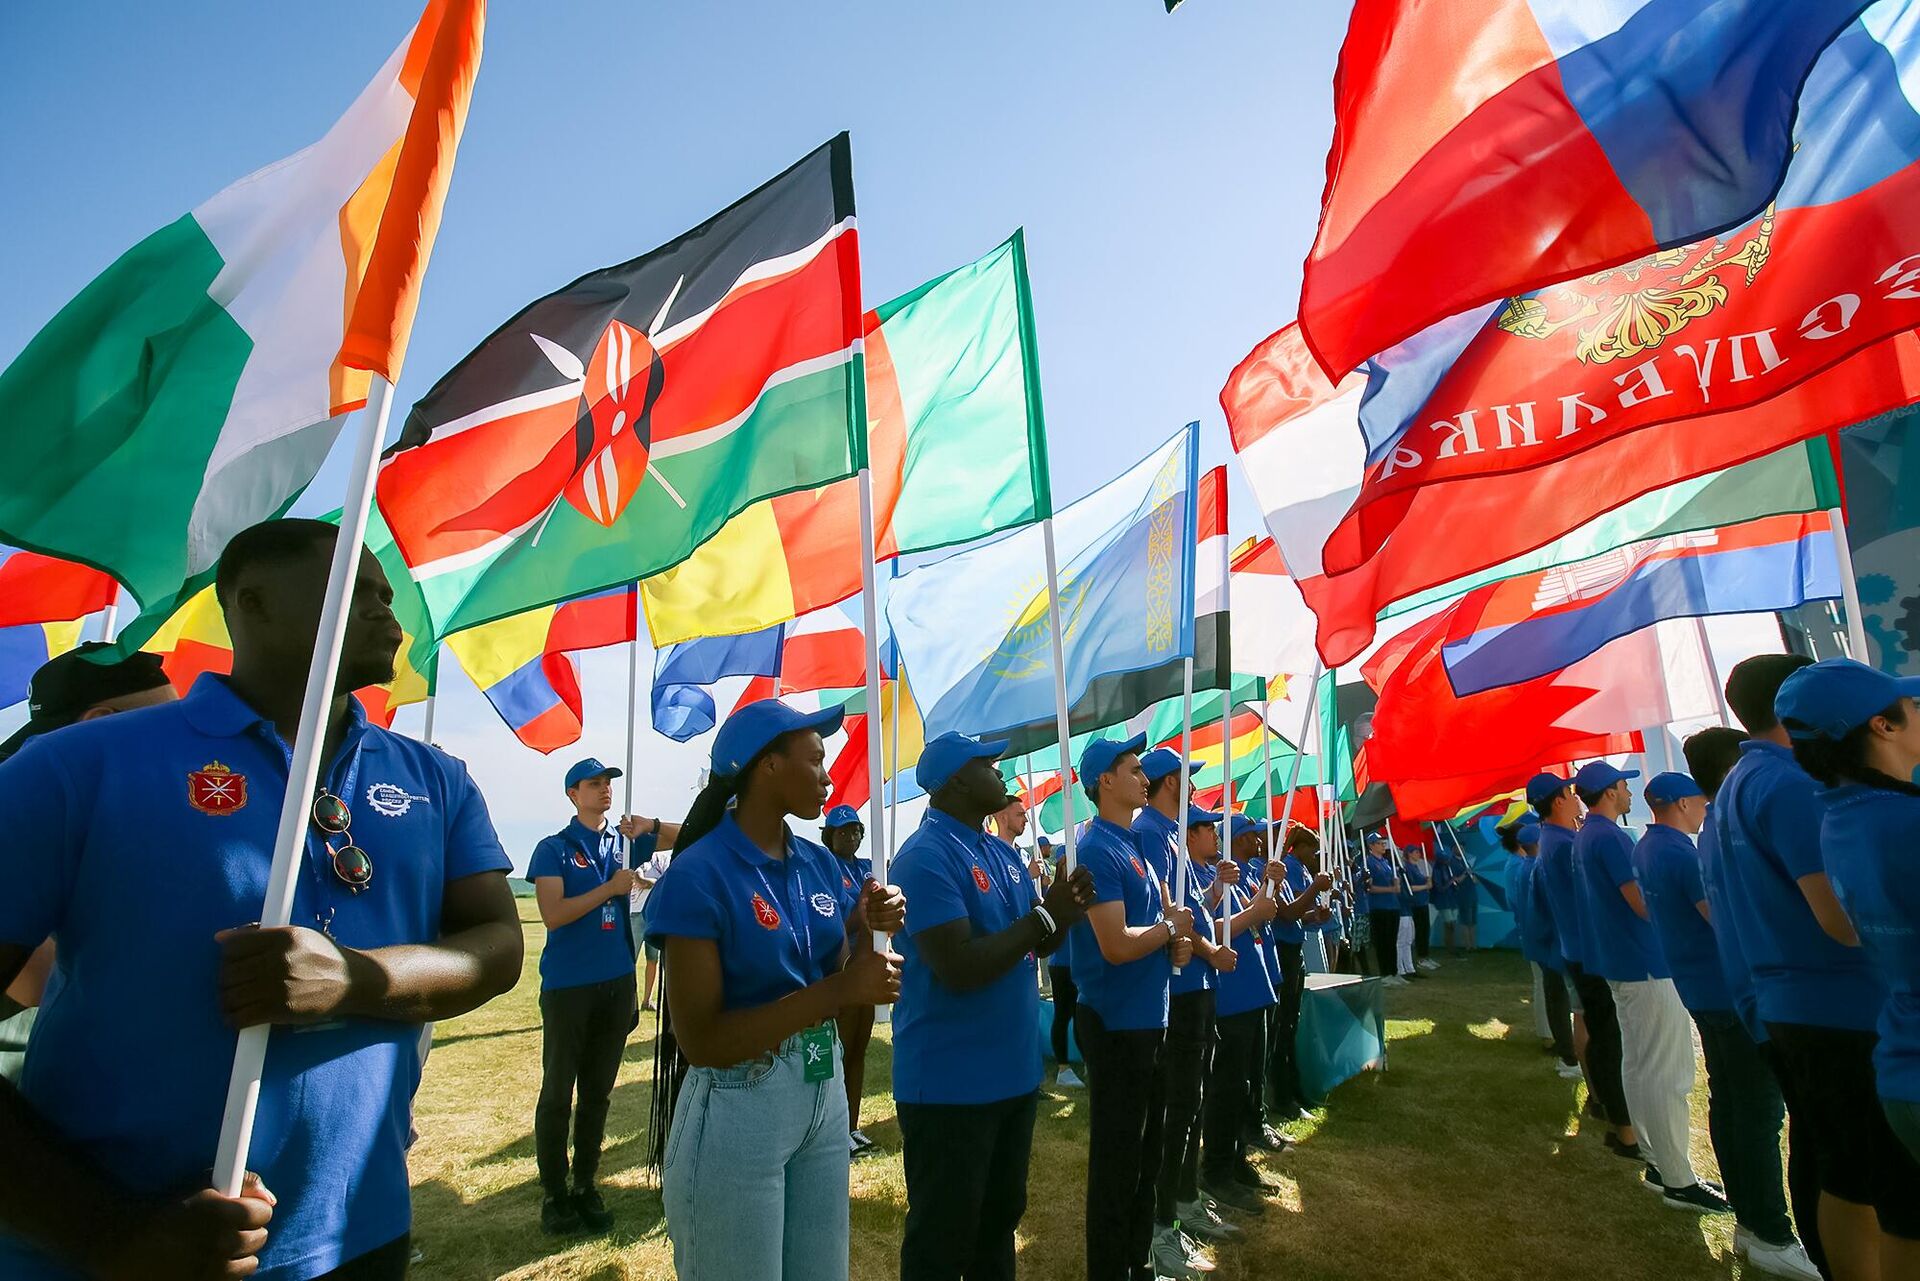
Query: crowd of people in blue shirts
1770	911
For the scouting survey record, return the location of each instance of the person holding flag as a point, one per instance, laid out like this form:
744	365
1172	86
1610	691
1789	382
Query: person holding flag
1249	847
1533	923
842	832
1419	869
1123	958
765	945
1242	998
1383	907
966	1066
111	1133
588	1000
1297	883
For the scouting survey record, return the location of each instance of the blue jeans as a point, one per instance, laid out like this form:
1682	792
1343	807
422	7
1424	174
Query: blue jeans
755	1176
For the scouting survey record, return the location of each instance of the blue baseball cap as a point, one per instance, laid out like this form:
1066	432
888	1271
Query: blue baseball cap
1240	826
1101	753
1834	697
941	759
1528	834
1665	789
746	733
1197	817
1598	776
589	768
840	816
1542	788
1377	836
1162	761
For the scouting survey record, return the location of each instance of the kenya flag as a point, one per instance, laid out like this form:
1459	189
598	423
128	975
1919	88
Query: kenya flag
610	428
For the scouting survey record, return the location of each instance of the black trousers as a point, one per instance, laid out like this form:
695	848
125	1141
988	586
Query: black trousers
1559	1014
1283	1037
583	1033
1189	1044
1803	1160
966	1170
1422	930
1229	1110
1744	1114
1385	930
1126	1088
1603	1043
387	1263
1065	998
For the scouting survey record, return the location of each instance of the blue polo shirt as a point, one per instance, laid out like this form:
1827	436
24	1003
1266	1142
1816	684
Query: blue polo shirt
1249	985
962	1047
1667	865
1726	934
1254	876
1298	880
1445	879
1198	976
1621	945
1769	830
598	946
854	873
130	840
780	923
1420	881
1159	840
1556	875
1381	873
1133	996
1519	877
1867	837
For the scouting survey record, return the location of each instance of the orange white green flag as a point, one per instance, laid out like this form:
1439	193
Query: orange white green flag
196	385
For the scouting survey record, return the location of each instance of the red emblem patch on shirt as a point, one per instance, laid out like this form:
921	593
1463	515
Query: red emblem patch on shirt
763	912
580	859
980	879
215	789
1138	870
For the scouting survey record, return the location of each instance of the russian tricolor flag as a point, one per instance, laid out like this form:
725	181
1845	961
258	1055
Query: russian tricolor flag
1484	148
1525	627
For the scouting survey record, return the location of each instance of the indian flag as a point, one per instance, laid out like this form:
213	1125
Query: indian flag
195	387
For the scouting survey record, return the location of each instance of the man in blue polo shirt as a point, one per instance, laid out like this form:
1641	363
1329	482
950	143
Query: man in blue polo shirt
1816	994
401	915
1295	882
1656	1042
587	995
1123	954
1242	999
1383	907
966	1066
1744	1108
1552	798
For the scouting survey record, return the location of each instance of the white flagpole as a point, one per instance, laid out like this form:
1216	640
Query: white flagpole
870	620
303	774
1226	723
1181	869
1713	675
893	774
1306	723
633	696
1856	621
1060	711
426	730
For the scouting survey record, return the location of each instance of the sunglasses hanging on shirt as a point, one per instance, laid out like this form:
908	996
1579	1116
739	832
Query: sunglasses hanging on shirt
350	863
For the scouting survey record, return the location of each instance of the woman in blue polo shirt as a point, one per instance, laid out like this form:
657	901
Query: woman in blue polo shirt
1242	997
765	944
1857	730
842	832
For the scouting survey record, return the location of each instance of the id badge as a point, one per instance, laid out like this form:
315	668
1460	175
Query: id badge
816	1055
606	916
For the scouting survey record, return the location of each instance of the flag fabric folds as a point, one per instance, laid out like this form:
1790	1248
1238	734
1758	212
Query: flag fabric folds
44	608
1538	623
1740	328
611	427
973	631
195	387
1297	440
525	664
958	449
1485	147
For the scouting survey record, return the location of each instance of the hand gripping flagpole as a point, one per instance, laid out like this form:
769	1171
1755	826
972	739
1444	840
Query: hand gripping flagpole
303	774
1060	711
870	619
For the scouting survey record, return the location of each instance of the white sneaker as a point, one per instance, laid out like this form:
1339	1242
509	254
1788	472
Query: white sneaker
1428	964
1169	1255
1066	1080
1567	1071
1393	981
1789	1260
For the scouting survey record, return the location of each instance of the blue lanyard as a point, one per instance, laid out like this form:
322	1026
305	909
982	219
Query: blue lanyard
802	938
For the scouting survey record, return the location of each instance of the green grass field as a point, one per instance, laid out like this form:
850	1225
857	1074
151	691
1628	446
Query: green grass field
1466	1159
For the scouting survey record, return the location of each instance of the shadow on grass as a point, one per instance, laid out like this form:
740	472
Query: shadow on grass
441	1042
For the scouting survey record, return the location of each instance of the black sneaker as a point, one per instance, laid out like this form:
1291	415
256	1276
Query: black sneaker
1594	1109
1225	1191
592	1210
558	1218
1631	1151
1697	1199
1266	1138
1247	1177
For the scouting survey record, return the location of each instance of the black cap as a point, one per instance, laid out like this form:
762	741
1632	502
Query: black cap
66	686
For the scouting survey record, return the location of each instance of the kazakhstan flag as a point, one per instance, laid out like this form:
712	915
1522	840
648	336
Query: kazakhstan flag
972	630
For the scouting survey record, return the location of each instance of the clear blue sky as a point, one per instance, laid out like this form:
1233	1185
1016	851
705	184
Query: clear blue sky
1167	169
